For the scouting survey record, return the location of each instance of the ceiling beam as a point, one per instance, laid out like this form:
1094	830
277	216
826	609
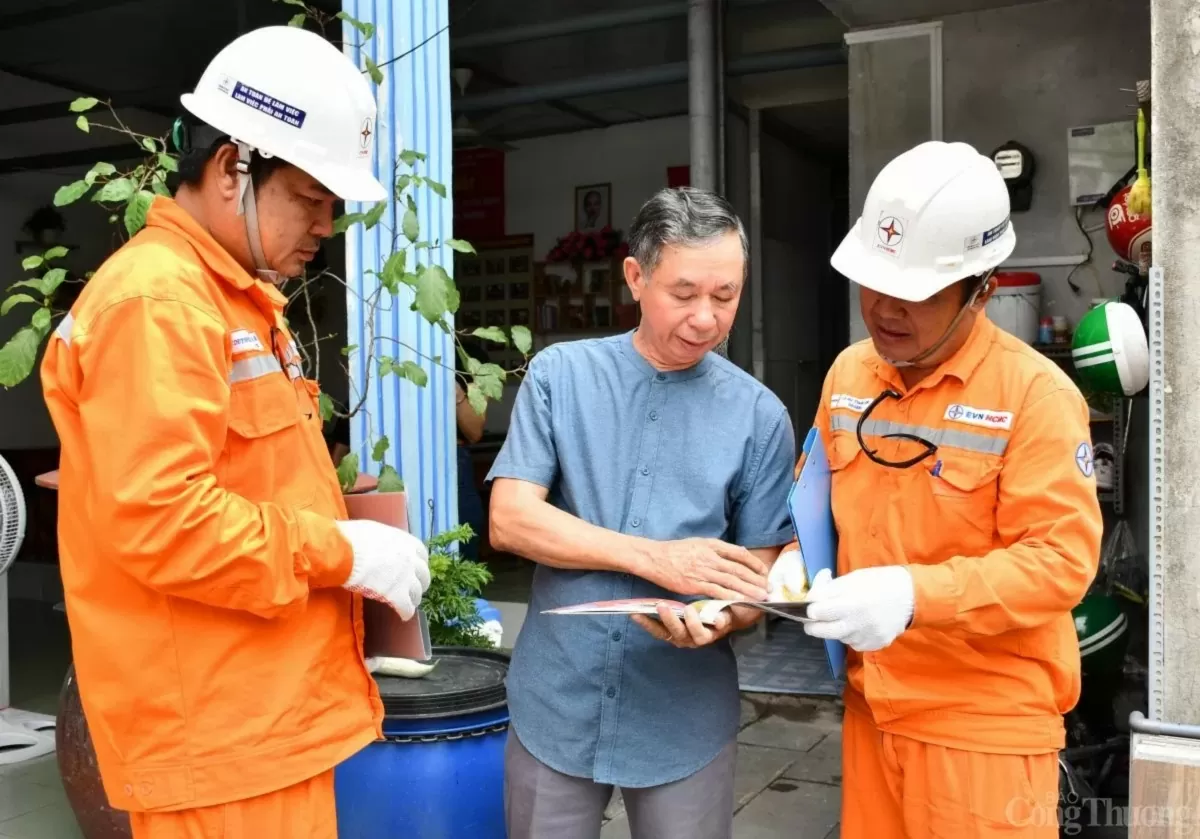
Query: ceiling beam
40	15
557	104
66	159
820	55
83	89
524	32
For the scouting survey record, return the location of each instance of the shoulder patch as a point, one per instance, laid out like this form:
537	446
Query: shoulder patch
1085	460
981	417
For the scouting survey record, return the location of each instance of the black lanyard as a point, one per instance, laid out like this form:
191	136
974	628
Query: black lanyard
930	448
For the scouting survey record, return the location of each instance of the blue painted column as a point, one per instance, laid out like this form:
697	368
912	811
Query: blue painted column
414	113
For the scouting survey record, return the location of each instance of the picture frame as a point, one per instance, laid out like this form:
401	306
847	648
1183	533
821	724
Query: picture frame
593	207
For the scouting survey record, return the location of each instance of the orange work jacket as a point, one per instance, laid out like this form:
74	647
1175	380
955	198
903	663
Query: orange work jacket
217	656
1000	527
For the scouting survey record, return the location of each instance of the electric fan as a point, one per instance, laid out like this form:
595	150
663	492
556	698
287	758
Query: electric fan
23	735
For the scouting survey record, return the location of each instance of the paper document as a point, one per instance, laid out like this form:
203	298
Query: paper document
708	609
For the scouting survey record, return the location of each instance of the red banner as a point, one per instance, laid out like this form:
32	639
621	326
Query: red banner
478	194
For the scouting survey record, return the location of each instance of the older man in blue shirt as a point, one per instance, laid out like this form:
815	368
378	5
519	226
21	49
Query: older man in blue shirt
641	465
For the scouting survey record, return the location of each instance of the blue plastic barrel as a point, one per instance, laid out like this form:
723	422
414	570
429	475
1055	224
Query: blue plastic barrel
439	771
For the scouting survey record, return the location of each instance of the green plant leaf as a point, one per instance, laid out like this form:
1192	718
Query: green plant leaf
56	252
410	226
100	170
436	294
159	184
348	351
373	71
347	472
18	356
380	449
168	162
344	223
439	188
115	191
14	301
460	245
31	262
389	480
71	193
373	215
52	280
135	211
402	183
325	406
299	3
491	333
41	320
522	339
36	285
150	144
409	156
83	125
393	271
414	372
84	103
476	398
298	20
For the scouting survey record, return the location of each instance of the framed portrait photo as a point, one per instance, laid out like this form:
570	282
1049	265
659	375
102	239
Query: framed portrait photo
593	207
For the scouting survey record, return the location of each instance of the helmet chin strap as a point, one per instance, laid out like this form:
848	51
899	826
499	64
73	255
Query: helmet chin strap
248	208
924	354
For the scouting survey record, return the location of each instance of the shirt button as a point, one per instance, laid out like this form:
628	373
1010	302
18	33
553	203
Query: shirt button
616	636
653	416
636	522
611	692
645	470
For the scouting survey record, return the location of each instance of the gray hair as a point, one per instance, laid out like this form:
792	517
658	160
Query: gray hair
682	216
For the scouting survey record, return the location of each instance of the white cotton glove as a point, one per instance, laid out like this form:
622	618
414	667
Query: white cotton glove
390	565
866	609
787	580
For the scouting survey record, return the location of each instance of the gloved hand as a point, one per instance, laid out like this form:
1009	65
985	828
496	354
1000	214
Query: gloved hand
787	579
866	609
390	565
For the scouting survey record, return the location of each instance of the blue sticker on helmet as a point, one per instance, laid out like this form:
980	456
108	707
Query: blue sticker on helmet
995	233
269	105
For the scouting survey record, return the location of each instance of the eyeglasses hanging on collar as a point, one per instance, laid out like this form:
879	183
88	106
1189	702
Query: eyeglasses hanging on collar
930	448
289	361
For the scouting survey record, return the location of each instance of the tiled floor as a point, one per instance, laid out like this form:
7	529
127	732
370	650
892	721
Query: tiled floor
33	804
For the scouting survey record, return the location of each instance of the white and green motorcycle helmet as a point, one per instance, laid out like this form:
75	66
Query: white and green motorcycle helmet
1110	351
1103	633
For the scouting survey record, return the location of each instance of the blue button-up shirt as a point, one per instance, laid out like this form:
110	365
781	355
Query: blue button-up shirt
705	452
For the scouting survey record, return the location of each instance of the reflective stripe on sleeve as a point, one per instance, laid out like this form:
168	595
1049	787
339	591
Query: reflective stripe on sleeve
247	369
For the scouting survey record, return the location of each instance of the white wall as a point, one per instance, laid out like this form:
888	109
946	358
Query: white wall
1030	73
541	175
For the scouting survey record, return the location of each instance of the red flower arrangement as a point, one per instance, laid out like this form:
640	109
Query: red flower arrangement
601	244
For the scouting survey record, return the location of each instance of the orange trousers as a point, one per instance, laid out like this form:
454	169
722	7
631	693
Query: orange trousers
897	788
305	811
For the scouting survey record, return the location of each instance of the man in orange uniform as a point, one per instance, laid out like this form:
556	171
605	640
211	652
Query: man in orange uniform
967	516
212	585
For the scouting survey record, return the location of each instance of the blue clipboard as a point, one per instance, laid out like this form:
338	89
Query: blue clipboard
811	511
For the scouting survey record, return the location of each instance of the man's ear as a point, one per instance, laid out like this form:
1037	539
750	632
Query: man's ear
222	168
985	294
634	278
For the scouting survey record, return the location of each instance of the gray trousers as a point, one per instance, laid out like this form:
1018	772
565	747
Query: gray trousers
540	803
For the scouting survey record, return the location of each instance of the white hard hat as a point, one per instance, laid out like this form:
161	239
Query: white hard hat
286	92
937	214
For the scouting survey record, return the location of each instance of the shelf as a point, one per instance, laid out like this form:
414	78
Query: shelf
1054	350
1107	496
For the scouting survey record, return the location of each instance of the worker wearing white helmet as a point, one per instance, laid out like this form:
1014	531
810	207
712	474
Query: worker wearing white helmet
968	522
212	583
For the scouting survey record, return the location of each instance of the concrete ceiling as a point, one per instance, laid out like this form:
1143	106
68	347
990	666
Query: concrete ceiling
859	13
142	54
